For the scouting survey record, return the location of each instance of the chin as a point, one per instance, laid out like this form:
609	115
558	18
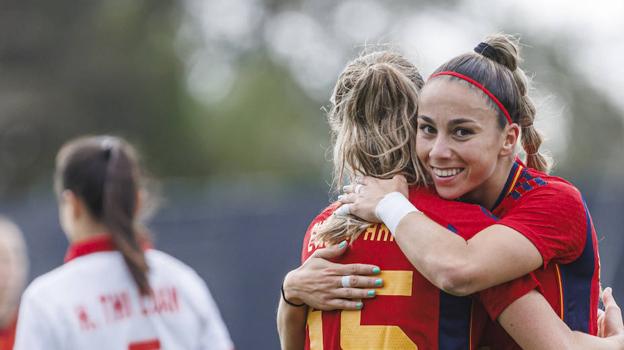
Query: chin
450	194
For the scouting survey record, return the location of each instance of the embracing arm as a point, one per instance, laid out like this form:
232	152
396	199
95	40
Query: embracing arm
532	323
493	256
317	283
291	325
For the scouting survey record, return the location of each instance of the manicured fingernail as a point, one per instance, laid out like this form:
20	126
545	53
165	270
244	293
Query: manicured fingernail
376	270
378	282
371	293
342	244
340	197
359	305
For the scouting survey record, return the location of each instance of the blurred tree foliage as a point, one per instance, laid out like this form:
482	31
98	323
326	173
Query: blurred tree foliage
70	68
112	66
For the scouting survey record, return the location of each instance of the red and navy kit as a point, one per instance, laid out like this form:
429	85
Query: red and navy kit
551	213
408	312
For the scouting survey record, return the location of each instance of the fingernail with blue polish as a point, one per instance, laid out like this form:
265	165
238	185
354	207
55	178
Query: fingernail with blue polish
371	293
342	244
340	197
376	270
359	305
378	282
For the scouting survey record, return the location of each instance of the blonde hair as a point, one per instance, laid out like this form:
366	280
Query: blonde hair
373	129
498	70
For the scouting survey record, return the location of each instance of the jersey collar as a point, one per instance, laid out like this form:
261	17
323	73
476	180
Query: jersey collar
512	180
96	244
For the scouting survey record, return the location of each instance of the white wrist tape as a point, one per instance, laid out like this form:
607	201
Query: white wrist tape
392	209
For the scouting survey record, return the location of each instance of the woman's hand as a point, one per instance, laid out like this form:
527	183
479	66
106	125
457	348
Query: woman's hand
610	321
361	199
319	283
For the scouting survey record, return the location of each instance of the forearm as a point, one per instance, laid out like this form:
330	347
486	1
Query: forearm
495	255
291	325
585	341
532	323
437	253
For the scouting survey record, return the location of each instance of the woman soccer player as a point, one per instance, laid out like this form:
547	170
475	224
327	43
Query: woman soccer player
472	112
427	319
13	273
114	291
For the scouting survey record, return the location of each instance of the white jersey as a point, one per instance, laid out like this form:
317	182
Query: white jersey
92	302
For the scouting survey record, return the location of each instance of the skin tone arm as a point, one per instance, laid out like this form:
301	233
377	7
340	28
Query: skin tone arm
317	283
532	323
495	255
291	322
540	327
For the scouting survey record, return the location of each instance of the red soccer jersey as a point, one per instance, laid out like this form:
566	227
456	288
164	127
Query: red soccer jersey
408	312
7	335
551	213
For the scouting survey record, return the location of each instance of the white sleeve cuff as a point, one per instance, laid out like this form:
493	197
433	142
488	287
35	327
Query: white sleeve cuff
392	208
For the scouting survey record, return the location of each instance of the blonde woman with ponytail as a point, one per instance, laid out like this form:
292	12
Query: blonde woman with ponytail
370	295
473	110
113	291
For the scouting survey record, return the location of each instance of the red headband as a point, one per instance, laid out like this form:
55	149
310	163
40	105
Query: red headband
477	84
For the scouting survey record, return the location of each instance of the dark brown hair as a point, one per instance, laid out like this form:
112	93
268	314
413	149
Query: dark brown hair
497	68
103	171
373	128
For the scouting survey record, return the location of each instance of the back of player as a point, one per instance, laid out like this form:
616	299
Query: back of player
113	292
91	302
408	312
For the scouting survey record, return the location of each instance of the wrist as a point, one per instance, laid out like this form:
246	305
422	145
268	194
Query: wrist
392	208
289	292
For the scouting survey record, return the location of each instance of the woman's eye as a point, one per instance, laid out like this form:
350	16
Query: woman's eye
427	129
462	132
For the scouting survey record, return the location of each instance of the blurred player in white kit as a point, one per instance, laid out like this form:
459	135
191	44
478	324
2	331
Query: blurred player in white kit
13	273
114	291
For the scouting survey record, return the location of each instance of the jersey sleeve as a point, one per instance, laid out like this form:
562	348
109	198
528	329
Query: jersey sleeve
35	326
496	299
553	218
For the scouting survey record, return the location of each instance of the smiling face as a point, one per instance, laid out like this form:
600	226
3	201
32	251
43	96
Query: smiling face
460	143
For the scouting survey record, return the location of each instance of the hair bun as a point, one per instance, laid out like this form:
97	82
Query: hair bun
502	49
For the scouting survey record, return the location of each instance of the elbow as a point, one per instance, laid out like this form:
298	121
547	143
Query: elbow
458	279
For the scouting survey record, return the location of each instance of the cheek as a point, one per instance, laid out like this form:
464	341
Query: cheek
423	146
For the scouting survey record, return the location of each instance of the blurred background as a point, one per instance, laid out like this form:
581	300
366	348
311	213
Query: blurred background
225	100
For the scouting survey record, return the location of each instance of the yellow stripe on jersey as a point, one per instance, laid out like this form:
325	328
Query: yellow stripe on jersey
315	330
353	335
513	183
560	285
398	283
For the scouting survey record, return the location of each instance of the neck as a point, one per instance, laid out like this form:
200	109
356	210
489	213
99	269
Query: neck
487	193
87	230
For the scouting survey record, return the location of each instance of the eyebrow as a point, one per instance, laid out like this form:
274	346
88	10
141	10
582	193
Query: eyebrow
426	119
457	121
453	122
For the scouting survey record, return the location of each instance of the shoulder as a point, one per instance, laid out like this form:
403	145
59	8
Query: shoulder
51	283
549	189
165	266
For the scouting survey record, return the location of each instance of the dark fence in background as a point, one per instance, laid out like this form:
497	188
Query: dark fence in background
242	244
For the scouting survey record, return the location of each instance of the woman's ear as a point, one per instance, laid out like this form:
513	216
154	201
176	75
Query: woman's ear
510	139
72	204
